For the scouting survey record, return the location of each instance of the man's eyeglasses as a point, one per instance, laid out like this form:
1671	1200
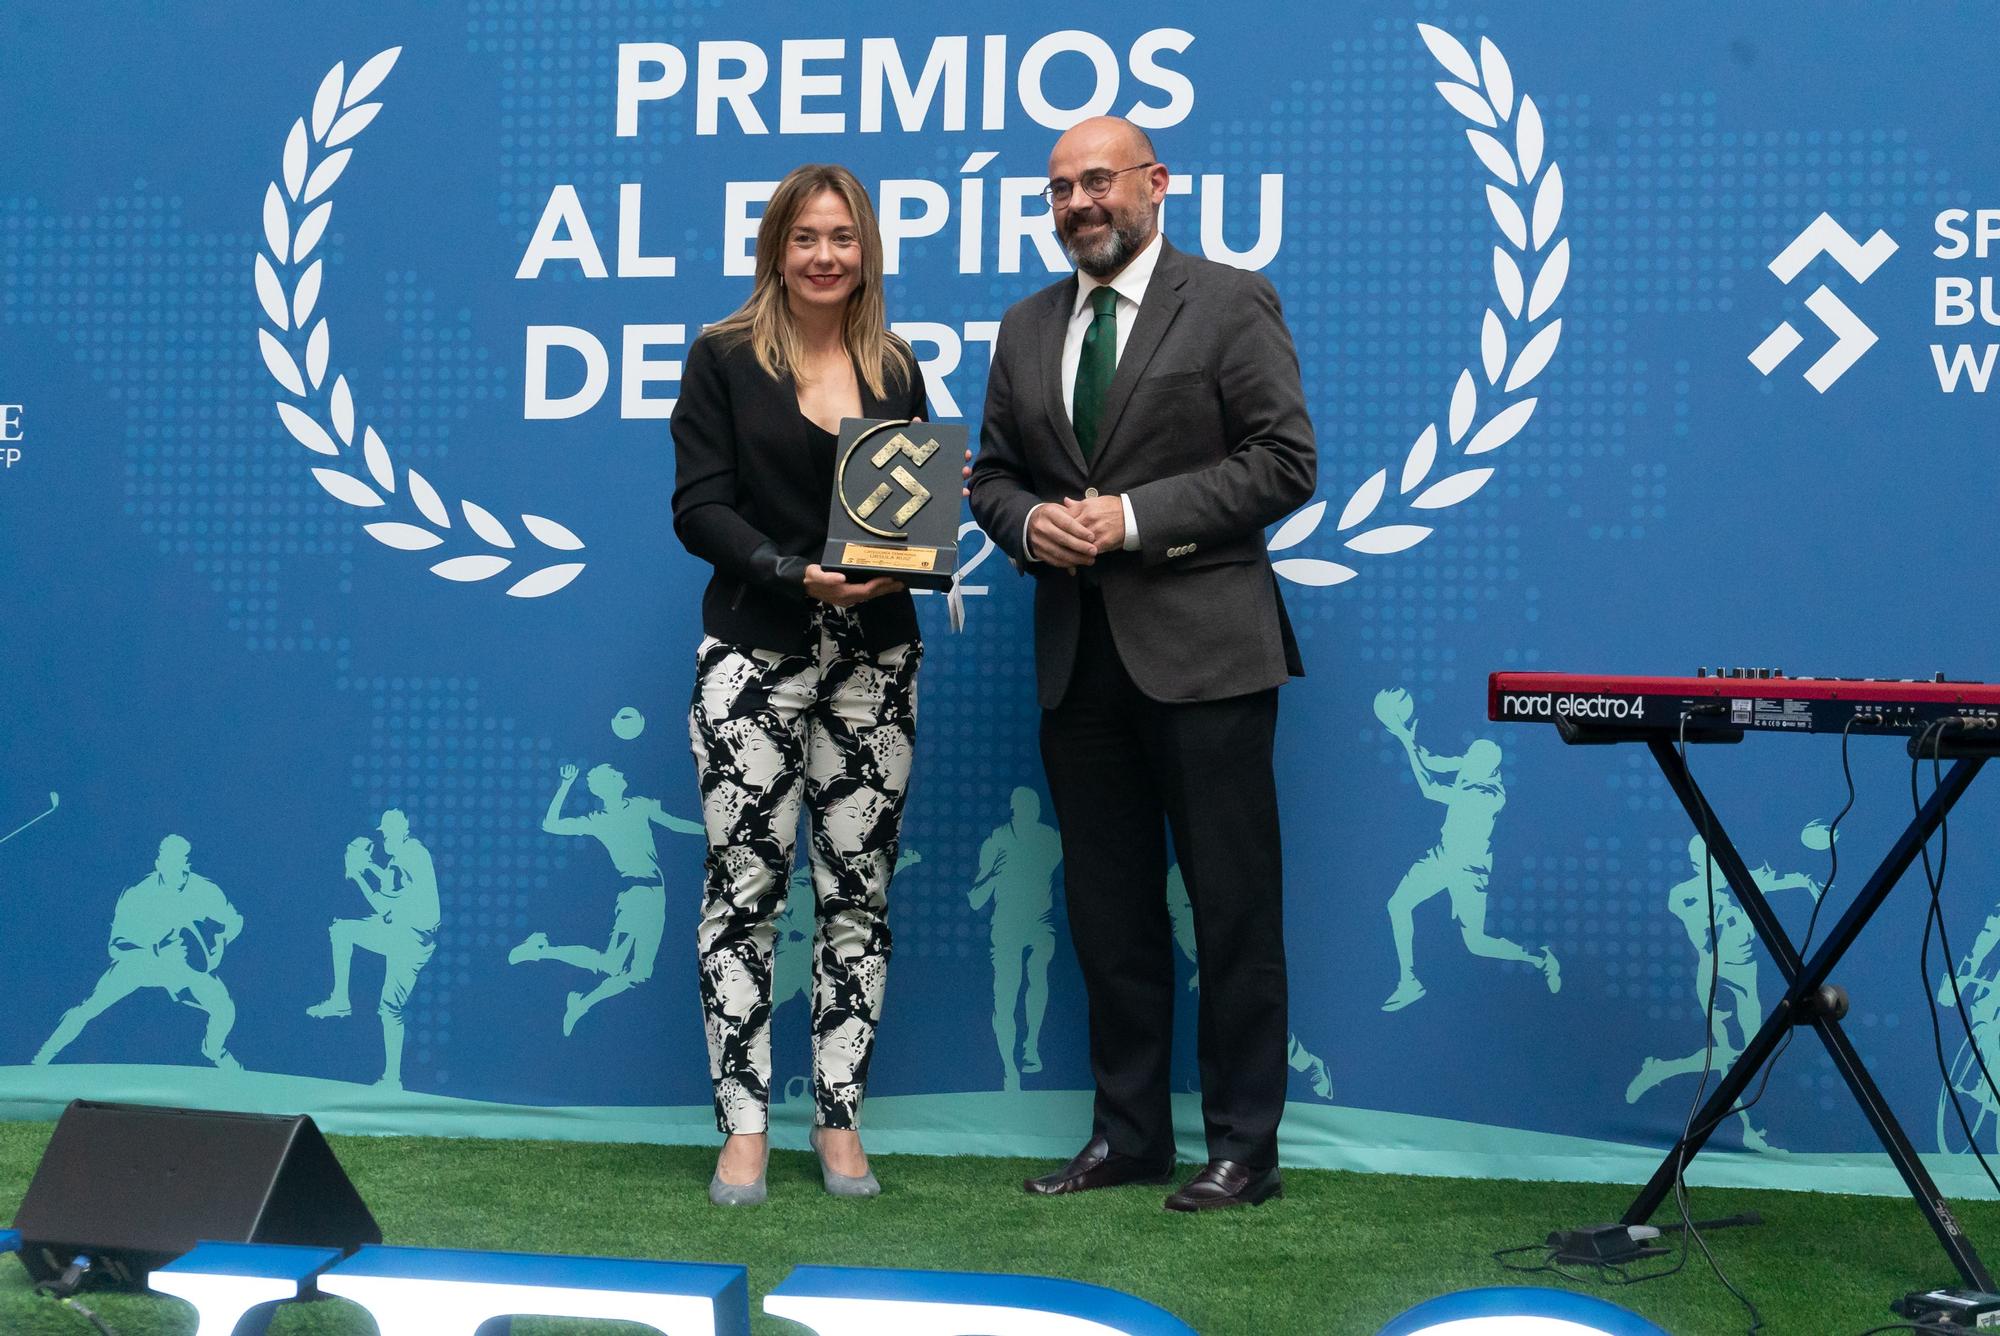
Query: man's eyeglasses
1096	184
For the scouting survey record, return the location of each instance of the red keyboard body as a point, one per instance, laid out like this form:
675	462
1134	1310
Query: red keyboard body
1594	701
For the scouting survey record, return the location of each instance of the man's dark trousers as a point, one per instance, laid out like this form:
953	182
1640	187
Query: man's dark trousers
1122	770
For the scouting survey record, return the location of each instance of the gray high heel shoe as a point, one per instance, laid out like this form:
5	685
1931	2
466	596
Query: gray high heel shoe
741	1194
843	1185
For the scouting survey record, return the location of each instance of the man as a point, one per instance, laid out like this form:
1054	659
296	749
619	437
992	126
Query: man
1144	424
1460	863
403	931
1017	868
1730	970
624	826
152	928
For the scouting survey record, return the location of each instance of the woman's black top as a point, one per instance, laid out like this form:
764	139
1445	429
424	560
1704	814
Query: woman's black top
753	480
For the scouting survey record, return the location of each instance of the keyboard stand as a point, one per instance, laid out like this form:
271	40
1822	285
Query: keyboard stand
1802	983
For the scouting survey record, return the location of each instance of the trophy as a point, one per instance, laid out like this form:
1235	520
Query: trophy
895	501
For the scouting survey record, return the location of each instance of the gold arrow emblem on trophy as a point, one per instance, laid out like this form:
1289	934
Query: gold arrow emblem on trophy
918	496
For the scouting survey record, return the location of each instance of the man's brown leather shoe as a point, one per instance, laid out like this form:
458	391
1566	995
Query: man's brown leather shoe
1095	1166
1227	1183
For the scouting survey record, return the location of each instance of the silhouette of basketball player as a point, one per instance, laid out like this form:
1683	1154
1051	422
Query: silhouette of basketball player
1459	864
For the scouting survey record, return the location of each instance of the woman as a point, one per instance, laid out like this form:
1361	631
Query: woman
805	683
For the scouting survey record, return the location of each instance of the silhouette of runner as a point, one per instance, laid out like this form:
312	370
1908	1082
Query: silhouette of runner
159	940
624	826
403	931
1459	864
1017	867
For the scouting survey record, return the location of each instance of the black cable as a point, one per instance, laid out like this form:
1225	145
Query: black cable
1607	1273
1615	1273
1923	954
1934	878
1805	948
1689	1233
54	1290
92	1318
1832	840
1937	915
64	1287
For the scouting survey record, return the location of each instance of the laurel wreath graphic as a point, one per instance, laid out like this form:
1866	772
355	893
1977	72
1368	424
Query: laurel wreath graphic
1508	139
288	287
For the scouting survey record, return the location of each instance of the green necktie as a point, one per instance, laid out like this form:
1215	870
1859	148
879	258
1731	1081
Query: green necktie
1093	369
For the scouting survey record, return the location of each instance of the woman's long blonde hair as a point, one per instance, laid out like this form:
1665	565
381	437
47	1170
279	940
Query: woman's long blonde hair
766	320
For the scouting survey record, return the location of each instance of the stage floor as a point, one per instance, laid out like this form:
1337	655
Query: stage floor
1341	1253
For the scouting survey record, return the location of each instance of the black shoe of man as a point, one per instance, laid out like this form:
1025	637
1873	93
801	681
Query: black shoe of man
1096	1166
1225	1183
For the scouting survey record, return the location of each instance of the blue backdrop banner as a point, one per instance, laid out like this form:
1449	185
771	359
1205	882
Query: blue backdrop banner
337	345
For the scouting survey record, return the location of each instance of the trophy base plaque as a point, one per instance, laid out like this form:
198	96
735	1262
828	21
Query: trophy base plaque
918	567
895	496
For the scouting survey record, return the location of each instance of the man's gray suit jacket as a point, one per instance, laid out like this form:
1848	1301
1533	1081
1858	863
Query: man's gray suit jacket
1205	429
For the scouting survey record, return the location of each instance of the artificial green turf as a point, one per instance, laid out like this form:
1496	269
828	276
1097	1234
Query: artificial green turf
1341	1253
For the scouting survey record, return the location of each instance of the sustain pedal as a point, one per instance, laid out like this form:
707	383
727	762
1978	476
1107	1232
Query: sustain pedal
1971	1309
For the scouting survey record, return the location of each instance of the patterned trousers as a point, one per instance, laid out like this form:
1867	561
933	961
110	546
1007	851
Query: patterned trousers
836	729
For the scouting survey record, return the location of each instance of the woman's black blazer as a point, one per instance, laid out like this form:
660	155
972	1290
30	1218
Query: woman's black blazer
751	497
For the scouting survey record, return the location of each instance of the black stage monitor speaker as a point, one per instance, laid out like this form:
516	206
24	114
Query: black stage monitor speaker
132	1187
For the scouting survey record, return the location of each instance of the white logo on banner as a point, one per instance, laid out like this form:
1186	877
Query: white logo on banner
287	289
1962	299
1851	338
12	433
1508	140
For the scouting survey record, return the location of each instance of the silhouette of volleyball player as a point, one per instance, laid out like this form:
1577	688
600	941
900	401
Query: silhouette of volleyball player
1459	864
1181	910
1017	867
1732	965
402	930
624	826
159	939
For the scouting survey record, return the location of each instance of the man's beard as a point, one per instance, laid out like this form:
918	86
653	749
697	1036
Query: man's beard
1110	252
